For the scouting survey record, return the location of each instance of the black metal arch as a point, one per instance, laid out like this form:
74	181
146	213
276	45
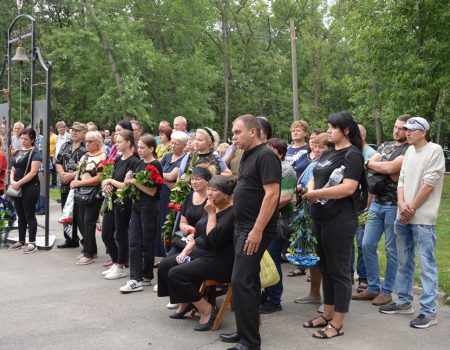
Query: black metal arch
29	33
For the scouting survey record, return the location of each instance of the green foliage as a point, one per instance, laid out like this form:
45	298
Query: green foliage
154	60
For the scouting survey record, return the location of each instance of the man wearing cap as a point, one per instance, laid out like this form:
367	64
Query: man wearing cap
385	166
419	195
66	166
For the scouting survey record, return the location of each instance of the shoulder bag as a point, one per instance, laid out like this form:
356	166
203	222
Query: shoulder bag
11	192
85	194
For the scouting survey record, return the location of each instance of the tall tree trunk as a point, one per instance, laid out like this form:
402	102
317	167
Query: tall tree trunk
226	65
439	114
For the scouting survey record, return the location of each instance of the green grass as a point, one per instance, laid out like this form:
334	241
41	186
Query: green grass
442	251
55	194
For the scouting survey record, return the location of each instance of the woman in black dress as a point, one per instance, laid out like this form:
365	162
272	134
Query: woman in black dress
208	254
192	209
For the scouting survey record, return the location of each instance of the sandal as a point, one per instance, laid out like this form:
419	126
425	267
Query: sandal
323	335
310	323
296	272
16	246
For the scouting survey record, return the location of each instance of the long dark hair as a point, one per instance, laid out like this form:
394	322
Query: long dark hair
344	120
125	124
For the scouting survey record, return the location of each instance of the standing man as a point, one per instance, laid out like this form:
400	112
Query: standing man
137	130
15	138
385	166
180	124
66	166
367	153
256	199
419	195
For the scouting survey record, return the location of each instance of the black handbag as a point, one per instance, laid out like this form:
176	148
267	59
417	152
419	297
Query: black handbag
10	191
284	230
86	194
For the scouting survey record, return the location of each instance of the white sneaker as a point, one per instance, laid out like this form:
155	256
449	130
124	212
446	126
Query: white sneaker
131	286
320	309
146	282
108	270
155	288
116	273
172	306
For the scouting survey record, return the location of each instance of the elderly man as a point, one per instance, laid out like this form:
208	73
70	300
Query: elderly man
256	199
419	195
66	166
180	124
15	138
137	130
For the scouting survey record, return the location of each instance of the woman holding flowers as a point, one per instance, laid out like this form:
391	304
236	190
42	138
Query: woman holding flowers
117	217
171	165
146	183
88	176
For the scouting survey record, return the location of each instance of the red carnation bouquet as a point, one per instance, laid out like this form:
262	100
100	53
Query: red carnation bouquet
105	171
150	177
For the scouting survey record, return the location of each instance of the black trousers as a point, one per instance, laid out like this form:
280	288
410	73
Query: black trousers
115	232
247	288
87	218
142	239
72	227
336	236
26	208
182	282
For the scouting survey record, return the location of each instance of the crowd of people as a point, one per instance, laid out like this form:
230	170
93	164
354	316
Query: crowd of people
239	195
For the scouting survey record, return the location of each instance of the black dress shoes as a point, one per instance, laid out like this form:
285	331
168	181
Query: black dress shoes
207	326
179	315
68	245
239	347
230	337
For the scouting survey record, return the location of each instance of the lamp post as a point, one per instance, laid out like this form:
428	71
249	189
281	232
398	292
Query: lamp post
22	28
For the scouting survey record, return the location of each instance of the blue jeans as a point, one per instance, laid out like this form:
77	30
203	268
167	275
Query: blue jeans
410	236
360	266
380	219
275	249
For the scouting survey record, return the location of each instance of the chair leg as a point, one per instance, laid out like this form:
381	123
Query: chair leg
220	314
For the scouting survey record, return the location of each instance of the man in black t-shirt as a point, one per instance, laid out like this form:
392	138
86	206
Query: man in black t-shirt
255	204
385	165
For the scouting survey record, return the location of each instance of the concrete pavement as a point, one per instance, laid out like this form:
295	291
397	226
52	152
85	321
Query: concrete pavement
48	302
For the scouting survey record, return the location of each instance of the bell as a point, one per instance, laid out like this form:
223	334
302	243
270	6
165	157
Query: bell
20	55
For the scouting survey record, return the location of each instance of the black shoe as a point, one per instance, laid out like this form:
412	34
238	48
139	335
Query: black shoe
178	315
40	212
207	326
68	245
230	337
269	308
239	347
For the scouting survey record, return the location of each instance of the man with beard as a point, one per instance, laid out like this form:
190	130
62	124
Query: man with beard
385	166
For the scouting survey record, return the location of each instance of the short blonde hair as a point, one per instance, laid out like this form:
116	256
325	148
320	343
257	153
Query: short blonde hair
60	124
97	137
204	132
300	124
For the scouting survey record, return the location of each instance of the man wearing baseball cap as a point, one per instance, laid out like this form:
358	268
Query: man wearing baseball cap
419	194
66	166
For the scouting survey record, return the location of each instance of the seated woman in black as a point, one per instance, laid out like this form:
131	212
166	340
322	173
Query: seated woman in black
208	255
192	210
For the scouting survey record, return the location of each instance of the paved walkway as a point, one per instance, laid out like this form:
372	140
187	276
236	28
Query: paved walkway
47	302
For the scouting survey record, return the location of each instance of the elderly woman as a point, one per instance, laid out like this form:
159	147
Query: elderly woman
87	179
165	137
171	165
192	209
208	255
24	174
